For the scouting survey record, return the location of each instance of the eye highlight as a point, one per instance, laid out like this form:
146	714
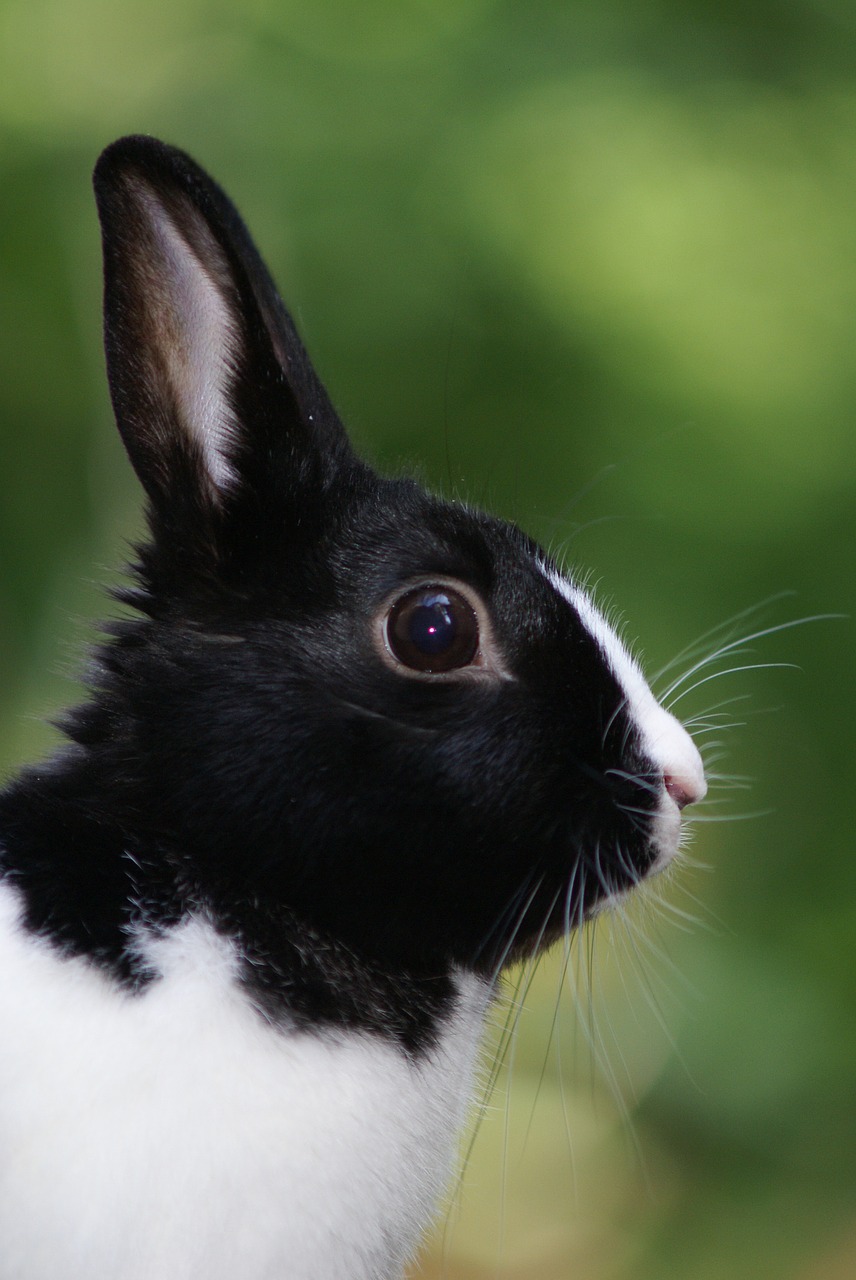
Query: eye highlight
432	629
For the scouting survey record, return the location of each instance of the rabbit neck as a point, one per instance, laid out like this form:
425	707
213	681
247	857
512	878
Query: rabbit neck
95	883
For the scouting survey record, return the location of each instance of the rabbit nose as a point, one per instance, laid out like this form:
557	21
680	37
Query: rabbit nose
678	757
685	788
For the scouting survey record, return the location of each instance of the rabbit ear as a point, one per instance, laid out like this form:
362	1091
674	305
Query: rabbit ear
208	377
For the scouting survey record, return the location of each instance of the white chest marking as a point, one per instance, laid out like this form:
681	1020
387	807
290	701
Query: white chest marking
174	1136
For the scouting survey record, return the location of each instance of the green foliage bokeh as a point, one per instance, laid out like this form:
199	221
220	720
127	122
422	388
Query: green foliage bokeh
592	265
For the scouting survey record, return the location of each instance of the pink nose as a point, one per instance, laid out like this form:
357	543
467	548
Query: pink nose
683	789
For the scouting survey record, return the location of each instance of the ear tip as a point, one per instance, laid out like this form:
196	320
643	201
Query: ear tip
132	149
140	153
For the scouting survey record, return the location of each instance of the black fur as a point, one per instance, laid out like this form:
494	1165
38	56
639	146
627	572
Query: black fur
247	751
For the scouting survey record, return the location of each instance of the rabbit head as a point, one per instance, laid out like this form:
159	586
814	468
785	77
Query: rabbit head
390	714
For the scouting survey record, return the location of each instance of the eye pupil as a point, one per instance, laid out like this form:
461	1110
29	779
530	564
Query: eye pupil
432	629
432	624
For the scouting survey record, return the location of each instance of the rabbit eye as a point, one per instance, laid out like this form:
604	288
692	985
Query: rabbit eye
432	629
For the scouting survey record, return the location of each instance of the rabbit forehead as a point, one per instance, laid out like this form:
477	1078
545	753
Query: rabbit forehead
663	739
615	654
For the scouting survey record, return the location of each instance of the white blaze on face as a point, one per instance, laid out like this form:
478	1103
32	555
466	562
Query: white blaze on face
663	739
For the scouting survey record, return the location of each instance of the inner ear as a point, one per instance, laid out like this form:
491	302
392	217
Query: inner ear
188	323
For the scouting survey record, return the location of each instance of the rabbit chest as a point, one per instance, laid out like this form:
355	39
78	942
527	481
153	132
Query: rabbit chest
174	1133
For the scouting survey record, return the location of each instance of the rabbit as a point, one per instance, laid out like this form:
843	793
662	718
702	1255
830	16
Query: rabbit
352	750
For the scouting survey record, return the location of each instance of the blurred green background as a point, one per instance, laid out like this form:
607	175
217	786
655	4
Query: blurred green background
593	265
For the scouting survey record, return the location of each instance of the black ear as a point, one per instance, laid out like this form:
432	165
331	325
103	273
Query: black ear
212	388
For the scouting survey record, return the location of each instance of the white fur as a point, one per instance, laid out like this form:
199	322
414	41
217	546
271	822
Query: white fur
174	1135
664	738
